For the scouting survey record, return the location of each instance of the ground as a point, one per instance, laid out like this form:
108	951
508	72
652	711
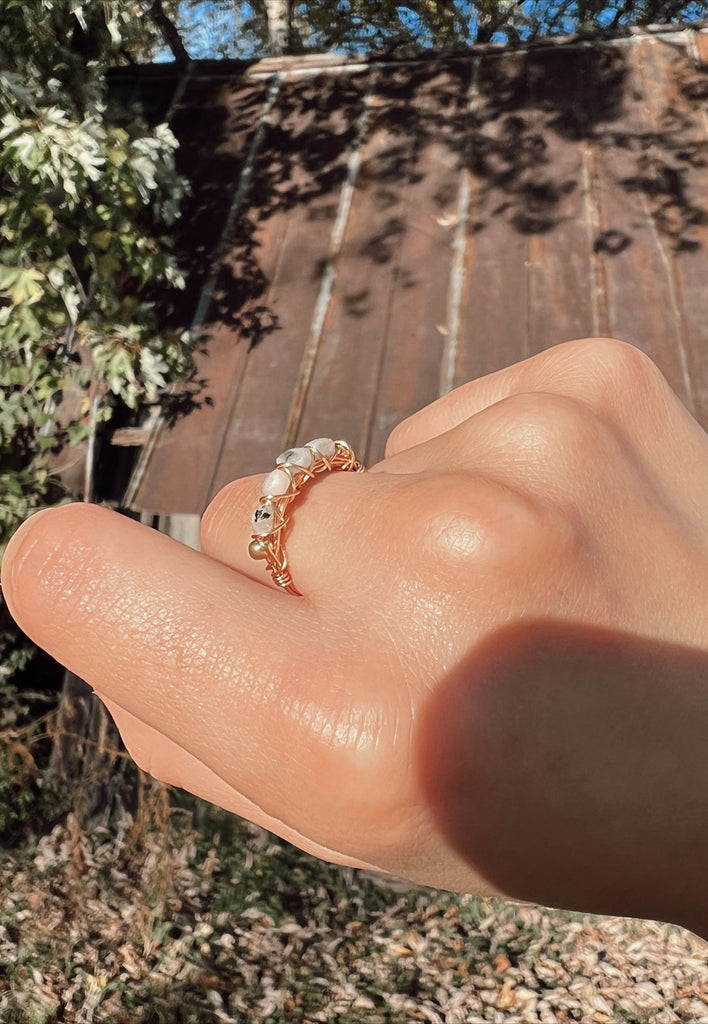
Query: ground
149	920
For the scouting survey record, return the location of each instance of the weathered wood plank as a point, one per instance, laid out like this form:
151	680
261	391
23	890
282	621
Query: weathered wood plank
493	324
566	300
569	199
678	113
633	249
420	315
381	349
222	119
298	200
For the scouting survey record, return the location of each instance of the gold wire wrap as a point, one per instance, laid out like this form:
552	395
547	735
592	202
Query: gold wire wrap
270	546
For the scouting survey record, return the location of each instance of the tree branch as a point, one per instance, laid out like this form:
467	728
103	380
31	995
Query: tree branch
278	15
170	32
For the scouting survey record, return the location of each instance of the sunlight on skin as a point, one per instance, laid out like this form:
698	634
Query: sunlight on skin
489	614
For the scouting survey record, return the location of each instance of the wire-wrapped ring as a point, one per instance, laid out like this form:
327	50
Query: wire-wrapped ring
292	469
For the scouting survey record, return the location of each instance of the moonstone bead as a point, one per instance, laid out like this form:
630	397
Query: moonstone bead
324	445
277	482
263	519
295	457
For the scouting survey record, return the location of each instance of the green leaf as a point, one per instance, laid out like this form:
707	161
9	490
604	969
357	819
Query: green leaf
116	156
101	239
21	284
107	266
43	212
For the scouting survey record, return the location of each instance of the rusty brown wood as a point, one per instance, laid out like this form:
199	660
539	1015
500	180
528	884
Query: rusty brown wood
700	40
299	205
563	195
317	351
678	110
634	251
560	206
343	376
393	270
180	458
493	319
419	310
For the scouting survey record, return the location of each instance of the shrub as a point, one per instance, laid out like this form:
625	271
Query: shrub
87	197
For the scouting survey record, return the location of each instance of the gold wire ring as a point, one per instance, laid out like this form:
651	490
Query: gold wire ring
293	468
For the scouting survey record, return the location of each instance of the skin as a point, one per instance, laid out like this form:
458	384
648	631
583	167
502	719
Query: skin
497	678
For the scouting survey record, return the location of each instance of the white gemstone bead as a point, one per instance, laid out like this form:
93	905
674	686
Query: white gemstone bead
277	482
295	457
263	519
324	445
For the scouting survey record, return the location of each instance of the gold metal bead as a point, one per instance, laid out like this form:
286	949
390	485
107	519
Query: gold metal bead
257	549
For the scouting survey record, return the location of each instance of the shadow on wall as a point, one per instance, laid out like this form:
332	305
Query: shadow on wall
525	103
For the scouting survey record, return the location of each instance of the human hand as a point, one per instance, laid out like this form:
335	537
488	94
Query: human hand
497	678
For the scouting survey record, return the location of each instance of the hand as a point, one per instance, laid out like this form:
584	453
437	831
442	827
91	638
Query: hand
497	680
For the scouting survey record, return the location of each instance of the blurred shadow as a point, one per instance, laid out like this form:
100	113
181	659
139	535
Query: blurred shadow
567	764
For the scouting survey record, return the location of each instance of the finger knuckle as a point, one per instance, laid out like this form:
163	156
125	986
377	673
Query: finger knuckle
547	427
442	519
608	365
466	519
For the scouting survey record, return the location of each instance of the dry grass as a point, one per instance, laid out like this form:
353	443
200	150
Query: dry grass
149	921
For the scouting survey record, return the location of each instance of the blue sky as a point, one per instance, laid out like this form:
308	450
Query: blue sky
207	21
214	29
204	21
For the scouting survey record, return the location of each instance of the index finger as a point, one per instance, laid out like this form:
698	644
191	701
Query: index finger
222	665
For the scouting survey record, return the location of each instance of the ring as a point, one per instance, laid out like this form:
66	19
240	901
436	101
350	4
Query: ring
292	469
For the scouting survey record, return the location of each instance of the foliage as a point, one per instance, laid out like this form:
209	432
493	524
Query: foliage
363	24
87	195
232	28
30	797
